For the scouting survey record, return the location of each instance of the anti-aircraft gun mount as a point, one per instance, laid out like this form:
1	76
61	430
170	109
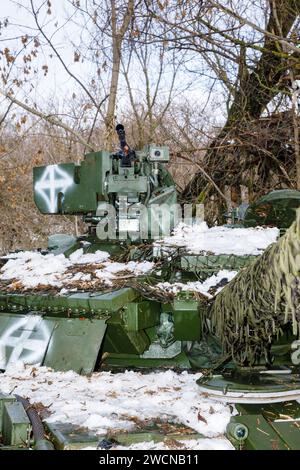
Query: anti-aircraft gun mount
121	189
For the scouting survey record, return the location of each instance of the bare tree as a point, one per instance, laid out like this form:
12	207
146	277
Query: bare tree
252	60
151	94
118	34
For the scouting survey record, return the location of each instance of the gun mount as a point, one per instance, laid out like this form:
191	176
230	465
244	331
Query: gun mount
122	188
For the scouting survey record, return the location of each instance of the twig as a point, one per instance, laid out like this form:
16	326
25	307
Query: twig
47	117
206	175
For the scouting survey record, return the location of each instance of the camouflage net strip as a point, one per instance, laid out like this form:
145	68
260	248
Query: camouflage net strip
260	300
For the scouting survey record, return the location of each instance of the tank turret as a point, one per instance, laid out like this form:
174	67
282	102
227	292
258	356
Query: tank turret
128	186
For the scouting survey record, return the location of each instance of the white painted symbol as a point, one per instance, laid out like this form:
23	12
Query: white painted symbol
295	356
28	339
53	181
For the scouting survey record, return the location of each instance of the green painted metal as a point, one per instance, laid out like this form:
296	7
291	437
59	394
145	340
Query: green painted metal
261	436
77	304
206	265
73	330
272	411
119	340
128	439
113	301
16	426
121	361
60	343
141	315
248	382
115	322
75	345
24	338
277	208
187	320
4	448
132	183
270	427
78	187
4	399
68	188
60	242
289	432
123	328
66	436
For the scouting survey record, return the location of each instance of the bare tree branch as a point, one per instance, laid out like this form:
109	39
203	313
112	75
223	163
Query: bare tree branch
6	113
287	45
77	80
47	117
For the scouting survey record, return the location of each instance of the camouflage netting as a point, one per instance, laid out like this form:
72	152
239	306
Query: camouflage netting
260	300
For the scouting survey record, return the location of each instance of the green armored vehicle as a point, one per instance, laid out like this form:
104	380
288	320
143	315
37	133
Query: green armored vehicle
127	295
125	198
128	201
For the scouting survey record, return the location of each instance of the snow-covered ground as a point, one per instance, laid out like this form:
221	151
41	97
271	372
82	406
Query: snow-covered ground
105	402
220	280
221	240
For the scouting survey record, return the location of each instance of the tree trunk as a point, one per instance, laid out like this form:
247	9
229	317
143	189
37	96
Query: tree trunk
254	91
295	112
117	40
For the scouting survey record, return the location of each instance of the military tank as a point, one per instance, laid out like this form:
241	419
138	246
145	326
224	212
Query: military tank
112	311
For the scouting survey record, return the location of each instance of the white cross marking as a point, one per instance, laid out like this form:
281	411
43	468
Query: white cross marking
24	342
53	180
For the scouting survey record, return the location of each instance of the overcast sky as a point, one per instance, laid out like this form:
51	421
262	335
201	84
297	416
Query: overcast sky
57	85
20	19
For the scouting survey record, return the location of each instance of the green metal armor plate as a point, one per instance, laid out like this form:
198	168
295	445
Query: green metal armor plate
277	208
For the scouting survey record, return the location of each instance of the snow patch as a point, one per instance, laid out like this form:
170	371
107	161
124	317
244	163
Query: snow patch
105	401
32	269
198	238
78	257
222	277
